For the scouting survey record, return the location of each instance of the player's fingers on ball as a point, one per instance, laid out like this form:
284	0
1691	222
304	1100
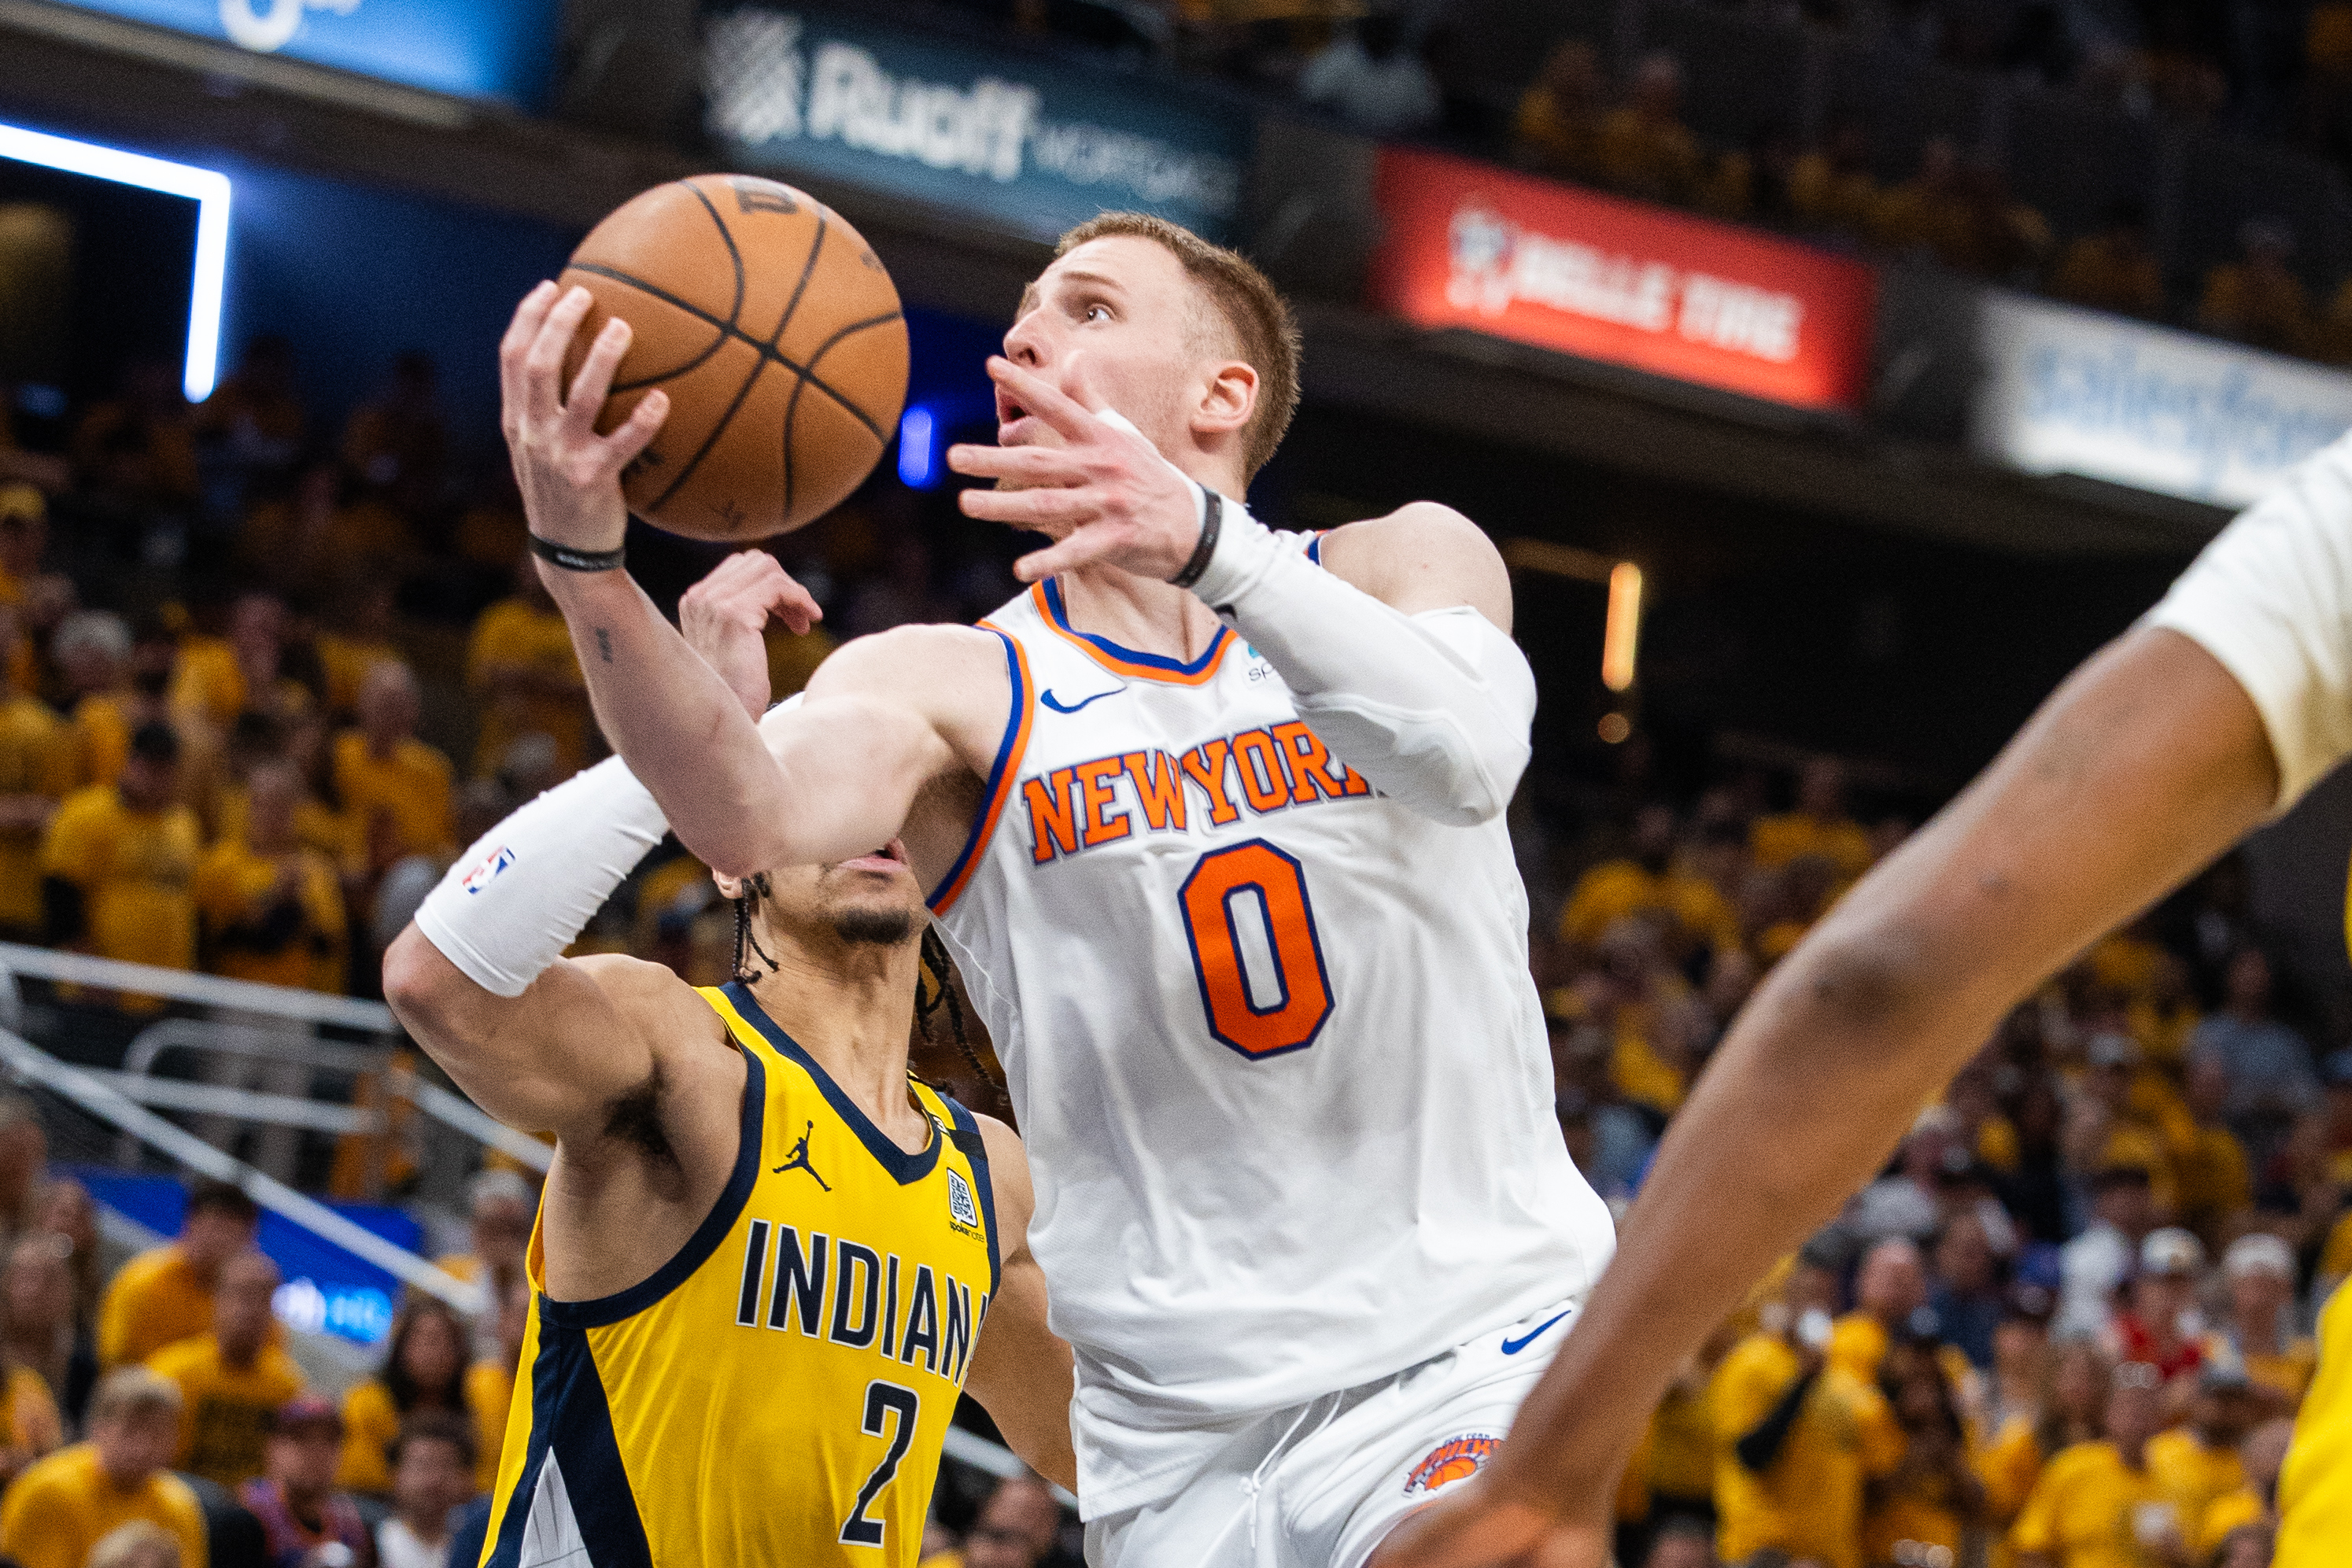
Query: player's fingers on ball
542	366
620	449
585	398
523	326
520	332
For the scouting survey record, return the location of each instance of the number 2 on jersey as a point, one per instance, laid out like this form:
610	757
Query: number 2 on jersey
1254	940
881	1398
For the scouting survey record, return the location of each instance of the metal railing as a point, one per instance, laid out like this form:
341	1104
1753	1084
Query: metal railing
100	1095
225	1037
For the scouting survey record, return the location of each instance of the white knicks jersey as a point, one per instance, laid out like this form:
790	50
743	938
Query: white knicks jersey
1277	1055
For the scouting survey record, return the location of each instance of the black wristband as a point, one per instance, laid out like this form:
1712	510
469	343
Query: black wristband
1212	523
571	560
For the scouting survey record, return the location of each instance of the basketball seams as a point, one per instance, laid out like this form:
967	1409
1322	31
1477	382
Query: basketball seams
834	342
719	342
792	406
744	392
734	253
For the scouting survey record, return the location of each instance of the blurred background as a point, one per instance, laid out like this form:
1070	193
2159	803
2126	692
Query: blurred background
1833	374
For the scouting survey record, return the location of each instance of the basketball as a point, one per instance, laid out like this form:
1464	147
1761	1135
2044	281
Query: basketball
775	331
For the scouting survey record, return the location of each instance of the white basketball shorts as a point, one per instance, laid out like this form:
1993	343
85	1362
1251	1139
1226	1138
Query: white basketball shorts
1318	1485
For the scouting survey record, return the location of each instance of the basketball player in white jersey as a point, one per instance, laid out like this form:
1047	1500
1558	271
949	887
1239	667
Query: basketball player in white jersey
1212	821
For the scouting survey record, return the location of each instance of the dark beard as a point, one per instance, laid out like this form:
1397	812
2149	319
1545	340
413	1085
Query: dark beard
880	927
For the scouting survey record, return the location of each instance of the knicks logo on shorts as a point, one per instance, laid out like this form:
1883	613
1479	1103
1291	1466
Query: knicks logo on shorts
1456	1459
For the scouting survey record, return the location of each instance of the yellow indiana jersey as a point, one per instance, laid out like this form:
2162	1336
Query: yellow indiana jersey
2315	1489
779	1392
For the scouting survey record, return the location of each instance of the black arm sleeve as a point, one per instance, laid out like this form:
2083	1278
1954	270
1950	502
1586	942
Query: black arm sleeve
64	914
1760	1446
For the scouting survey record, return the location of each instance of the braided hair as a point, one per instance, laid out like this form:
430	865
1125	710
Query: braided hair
935	990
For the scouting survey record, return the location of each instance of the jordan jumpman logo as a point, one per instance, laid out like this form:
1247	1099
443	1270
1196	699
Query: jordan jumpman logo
799	1160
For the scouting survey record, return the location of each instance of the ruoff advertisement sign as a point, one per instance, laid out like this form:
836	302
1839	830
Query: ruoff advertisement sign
1035	148
2068	391
1469	245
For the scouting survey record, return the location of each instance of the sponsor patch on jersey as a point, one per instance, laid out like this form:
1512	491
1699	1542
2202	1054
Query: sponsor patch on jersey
489	869
1456	1459
960	1207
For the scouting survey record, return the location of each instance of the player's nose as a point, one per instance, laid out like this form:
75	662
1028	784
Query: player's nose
1025	344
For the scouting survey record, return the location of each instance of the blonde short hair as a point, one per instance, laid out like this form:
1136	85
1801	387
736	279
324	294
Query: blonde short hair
129	1392
1258	321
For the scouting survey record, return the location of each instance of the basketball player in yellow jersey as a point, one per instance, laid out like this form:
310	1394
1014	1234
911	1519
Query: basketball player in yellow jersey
2228	701
768	1259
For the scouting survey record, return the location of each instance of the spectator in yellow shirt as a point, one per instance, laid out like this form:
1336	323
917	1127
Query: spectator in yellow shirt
1557	130
65	1505
2215	1180
359	640
118	861
232	1379
2096	1504
1646	879
2255	1500
2255	1330
1646	151
1819	825
221	677
1796	1441
2112	270
35	772
1890	1286
520	663
166	1295
393	784
2257	298
489	1384
424	1369
273	906
2198	1462
1932	1498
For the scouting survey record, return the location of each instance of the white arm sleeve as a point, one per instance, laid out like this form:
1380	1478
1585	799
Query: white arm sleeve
512	904
2271	600
514	900
1432	709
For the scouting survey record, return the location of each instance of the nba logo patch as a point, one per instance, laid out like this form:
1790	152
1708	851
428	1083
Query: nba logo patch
488	872
1456	1459
961	1209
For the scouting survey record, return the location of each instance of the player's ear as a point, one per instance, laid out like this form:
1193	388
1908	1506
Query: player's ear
1227	399
729	888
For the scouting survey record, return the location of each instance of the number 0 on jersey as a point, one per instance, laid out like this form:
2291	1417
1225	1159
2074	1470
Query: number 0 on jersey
1255	950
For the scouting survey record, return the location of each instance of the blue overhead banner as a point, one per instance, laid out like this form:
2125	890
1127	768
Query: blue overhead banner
474	48
1035	146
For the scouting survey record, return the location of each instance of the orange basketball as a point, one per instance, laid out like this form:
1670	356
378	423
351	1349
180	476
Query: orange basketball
777	335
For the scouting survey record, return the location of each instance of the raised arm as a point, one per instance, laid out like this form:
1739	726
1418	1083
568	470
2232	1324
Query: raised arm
832	782
1022	1373
2234	697
1399	655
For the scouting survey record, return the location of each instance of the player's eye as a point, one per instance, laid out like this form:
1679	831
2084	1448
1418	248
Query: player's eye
1094	312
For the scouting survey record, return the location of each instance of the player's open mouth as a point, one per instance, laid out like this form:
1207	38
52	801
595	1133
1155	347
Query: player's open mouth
886	860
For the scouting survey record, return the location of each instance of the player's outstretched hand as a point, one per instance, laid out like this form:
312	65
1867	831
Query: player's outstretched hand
1104	493
571	476
1474	1526
725	617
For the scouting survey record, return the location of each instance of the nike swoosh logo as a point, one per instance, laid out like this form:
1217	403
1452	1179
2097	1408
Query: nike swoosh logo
1058	708
1513	1346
